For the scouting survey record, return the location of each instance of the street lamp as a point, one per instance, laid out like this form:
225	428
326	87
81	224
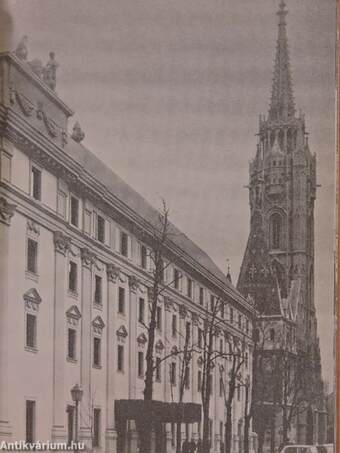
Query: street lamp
77	394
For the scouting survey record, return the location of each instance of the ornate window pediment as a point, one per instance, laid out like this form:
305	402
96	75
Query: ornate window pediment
73	315
122	333
98	325
32	299
159	346
141	339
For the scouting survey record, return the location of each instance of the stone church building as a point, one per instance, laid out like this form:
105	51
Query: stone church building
277	271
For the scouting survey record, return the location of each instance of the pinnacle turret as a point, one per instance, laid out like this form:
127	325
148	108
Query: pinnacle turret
282	100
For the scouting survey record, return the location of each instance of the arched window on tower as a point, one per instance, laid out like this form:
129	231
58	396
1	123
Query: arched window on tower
275	231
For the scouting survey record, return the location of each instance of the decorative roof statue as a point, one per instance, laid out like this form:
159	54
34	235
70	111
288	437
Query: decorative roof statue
50	71
21	49
78	134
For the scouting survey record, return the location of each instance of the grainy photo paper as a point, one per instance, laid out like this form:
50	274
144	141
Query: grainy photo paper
167	226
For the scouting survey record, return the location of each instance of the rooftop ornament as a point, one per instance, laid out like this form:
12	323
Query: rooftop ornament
21	49
78	134
50	72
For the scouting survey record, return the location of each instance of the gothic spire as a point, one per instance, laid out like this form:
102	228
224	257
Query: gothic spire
282	100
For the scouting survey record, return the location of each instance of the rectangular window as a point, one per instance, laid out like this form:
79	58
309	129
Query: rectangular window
31	331
239	321
61	204
201	296
140	364
161	271
36	183
70	423
72	276
187	331
100	229
123	243
200	337
159	318
222	309
221	346
176	278
120	357
231	315
141	310
174	325
221	386
96	427
96	351
30	421
212	303
187	378
121	300
87	221
199	380
98	283
74	207
158	369
71	344
143	256
189	287
247	326
173	373
32	256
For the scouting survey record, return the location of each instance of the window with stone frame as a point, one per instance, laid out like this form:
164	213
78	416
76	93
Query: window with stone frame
32	256
31	331
32	301
71	344
120	357
36	183
72	277
121	300
74	211
174	325
141	310
201	296
30	421
124	243
97	343
143	256
100	228
173	368
98	290
158	369
140	364
96	427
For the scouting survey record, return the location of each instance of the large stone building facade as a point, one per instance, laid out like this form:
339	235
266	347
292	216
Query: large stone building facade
278	265
74	282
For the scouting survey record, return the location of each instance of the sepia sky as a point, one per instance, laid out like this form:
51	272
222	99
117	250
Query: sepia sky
169	93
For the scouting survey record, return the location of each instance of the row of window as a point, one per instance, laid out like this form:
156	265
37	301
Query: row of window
31	422
101	226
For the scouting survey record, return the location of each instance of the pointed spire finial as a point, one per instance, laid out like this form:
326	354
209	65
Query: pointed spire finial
282	105
228	271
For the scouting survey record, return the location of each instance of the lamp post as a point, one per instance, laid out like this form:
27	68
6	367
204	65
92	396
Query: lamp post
77	394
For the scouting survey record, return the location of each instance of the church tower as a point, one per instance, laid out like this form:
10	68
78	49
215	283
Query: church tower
277	271
282	189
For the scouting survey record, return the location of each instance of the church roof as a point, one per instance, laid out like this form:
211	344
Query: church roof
133	200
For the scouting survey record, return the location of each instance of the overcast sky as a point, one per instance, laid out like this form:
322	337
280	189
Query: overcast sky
169	93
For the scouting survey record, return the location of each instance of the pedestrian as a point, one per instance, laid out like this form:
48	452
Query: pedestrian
185	446
192	446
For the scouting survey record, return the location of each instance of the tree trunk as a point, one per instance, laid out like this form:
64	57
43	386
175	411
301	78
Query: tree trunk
178	437
228	430
206	436
246	433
